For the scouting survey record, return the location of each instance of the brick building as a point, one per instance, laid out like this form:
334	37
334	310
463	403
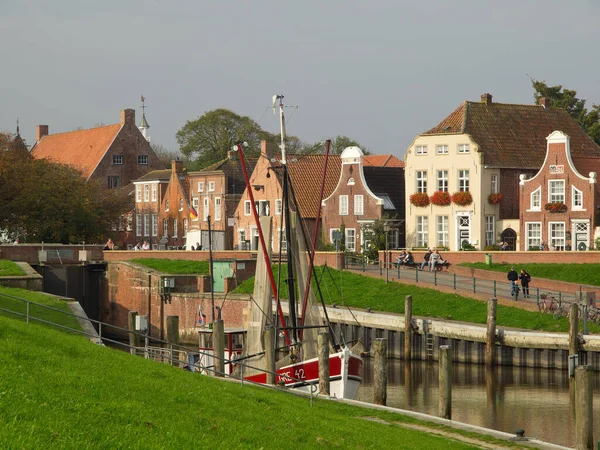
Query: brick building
150	191
369	188
480	149
559	204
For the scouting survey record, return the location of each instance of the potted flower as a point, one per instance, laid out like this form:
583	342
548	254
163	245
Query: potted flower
555	207
462	198
440	198
420	199
494	199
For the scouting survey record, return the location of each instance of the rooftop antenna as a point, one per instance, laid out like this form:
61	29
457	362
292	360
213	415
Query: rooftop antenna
279	97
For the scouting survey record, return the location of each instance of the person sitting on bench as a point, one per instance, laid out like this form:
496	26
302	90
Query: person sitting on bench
434	259
410	259
401	259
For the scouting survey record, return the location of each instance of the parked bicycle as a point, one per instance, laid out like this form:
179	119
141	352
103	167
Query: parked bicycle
547	303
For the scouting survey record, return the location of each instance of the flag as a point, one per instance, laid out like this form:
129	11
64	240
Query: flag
193	213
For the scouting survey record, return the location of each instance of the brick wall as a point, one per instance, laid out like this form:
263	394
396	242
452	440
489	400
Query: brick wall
69	254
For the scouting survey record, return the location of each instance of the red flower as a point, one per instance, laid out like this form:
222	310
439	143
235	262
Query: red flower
494	199
441	198
462	198
420	199
555	207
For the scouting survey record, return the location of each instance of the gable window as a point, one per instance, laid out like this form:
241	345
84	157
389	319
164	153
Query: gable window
138	224
351	239
146	193
117	160
534	235
142	160
557	235
577	197
154	192
442	231
174	228
206	209
463	148
463	180
166	205
490	230
422	231
442	180
146	224
441	149
217	208
421	181
495	184
358	205
200	186
180	204
278	207
114	182
185	226
536	200
421	150
165	227
343	205
556	191
247	210
138	193
154	224
263	207
211	186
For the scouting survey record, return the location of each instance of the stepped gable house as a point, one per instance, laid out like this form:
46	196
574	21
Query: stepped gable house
466	171
559	203
369	188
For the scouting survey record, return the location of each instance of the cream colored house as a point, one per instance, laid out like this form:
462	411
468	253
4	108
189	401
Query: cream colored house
481	148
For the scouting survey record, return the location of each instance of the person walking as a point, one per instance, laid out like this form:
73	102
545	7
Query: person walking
513	277
426	259
525	279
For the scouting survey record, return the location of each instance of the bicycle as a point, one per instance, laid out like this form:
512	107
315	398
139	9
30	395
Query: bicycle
561	310
548	303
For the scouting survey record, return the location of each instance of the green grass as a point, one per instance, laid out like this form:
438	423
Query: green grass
174	266
60	392
35	310
362	291
9	269
573	273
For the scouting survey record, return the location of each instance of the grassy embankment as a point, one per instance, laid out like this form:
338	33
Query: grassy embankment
60	391
174	266
573	273
9	269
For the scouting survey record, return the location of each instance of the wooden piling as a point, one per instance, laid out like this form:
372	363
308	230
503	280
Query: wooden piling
584	417
218	348
173	337
408	327
573	329
134	339
323	352
380	370
490	338
445	383
270	354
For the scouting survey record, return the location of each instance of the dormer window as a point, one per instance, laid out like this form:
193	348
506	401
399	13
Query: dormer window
577	197
536	200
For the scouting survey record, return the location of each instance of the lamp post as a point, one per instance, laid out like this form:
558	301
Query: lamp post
386	228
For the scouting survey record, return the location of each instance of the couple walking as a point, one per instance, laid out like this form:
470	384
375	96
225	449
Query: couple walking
514	278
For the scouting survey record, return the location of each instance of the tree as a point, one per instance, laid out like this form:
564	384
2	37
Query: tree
165	156
567	99
338	144
212	135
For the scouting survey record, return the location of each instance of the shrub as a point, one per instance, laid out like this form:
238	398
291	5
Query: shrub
441	198
494	199
419	199
492	247
462	198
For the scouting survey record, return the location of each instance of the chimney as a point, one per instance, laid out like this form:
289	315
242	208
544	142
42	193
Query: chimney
486	98
545	102
266	149
232	154
176	166
40	132
128	116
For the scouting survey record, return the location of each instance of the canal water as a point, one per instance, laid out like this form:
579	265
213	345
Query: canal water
503	398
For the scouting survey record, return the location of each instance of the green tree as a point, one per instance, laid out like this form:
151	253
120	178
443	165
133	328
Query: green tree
165	156
588	120
338	144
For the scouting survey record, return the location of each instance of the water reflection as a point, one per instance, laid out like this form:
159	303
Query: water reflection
501	398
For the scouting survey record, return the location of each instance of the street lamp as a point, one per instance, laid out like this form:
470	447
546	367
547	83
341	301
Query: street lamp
386	228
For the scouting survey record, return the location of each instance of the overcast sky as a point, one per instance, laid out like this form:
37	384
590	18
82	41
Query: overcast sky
378	71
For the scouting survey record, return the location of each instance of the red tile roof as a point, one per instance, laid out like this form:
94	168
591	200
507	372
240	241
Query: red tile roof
382	161
514	136
82	149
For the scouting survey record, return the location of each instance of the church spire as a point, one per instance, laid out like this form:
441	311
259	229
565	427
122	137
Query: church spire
144	123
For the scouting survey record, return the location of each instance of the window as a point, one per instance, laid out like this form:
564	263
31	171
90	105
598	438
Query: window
442	180
180	204
117	160
422	231
211	186
343	205
278	207
358	205
247	211
441	149
534	234
241	239
536	200
142	160
351	239
421	181
166	205
463	180
334	233
206	209
154	224
174	228
122	223
490	230
185	226
129	226
463	148
495	185
442	231
263	207
114	182
577	196
421	150
217	208
138	224
556	191
154	192
138	193
196	203
200	186
165	227
557	235
146	224
146	193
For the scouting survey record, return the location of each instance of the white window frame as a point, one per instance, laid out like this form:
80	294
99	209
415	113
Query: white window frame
463	180
117	160
490	230
420	150
576	199
555	195
331	231
154	224
422	231
463	149
129	223
535	200
142	160
359	205
138	224
196	203
185	227
146	224
146	193
442	227
247	208
441	149
217	208
442	180
166	204
278	206
421	178
554	239
206	208
154	192
138	193
175	228
211	186
165	227
495	183
343	205
531	239
350	244
180	204
200	186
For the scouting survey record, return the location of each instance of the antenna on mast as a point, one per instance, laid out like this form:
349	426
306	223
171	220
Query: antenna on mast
281	124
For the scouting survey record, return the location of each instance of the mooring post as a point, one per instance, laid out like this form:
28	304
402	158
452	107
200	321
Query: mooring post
173	334
270	354
573	329
380	371
218	348
584	413
134	339
445	386
323	353
490	337
407	327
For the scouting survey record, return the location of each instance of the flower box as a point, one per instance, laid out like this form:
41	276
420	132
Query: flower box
462	198
441	198
555	207
419	199
494	199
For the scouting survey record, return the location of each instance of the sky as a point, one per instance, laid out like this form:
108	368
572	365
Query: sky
378	71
